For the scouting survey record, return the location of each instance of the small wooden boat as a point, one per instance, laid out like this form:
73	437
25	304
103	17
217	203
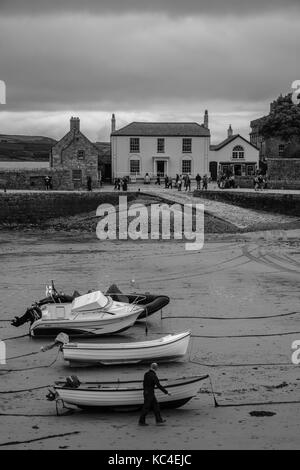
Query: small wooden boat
127	394
168	348
90	314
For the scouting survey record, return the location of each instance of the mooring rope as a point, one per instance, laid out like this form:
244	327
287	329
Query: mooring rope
3	392
15	337
34	367
260	364
196	317
51	436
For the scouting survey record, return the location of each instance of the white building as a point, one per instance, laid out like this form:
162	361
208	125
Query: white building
234	155
160	148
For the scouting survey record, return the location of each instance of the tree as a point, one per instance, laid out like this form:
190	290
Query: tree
283	120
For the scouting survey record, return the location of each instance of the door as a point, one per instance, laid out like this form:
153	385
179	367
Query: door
160	168
213	169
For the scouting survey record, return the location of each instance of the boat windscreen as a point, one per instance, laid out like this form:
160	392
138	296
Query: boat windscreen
93	300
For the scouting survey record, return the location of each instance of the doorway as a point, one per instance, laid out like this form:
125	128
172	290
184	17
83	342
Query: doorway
213	169
160	168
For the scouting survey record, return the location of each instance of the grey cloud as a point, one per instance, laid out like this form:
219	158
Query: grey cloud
171	7
63	63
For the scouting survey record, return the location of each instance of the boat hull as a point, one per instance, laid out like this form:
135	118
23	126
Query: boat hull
168	348
128	394
83	327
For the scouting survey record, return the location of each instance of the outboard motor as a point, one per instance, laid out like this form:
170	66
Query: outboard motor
31	315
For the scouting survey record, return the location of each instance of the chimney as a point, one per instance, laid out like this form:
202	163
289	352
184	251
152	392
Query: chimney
75	124
206	119
113	123
229	131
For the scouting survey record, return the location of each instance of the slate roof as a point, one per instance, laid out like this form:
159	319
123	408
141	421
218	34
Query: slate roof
228	140
163	129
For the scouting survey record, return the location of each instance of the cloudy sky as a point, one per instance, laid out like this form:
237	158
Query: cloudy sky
162	60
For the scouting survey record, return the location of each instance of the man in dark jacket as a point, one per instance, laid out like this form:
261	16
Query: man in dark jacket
150	382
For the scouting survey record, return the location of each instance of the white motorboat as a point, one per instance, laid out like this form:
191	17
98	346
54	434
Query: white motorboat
126	394
90	315
167	348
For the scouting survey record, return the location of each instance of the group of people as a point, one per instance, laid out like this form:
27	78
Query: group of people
259	182
225	181
121	182
180	181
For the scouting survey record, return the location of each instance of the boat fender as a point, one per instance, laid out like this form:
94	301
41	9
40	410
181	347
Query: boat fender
51	395
59	341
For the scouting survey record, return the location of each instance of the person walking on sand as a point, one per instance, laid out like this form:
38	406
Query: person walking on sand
150	403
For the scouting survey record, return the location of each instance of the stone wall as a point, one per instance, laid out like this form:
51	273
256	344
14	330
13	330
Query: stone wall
35	179
36	207
288	204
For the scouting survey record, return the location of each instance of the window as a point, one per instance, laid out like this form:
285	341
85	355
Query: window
238	152
134	167
250	170
76	175
81	154
280	150
160	145
186	167
134	144
186	145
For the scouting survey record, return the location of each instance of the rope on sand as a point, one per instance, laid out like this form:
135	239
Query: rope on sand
261	403
15	337
34	367
51	436
196	317
23	355
261	364
2	392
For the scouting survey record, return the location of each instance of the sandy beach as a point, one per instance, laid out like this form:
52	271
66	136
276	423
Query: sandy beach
248	282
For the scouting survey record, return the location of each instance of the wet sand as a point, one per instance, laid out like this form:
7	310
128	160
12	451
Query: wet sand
234	276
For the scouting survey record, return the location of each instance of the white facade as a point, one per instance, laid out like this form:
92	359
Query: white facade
170	162
168	149
235	154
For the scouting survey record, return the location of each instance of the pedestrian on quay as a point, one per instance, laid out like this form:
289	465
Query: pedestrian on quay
47	182
150	402
124	183
89	183
198	180
187	183
166	181
180	181
157	180
204	182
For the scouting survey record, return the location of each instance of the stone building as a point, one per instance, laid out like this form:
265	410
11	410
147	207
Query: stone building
280	159
76	153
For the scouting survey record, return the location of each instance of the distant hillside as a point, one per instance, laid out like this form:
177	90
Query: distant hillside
25	148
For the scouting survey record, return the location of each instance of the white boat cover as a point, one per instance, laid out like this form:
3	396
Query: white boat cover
91	301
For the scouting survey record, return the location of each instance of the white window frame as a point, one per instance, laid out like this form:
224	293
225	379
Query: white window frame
134	148
238	153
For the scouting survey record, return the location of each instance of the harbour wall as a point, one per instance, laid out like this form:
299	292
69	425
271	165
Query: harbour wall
288	204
